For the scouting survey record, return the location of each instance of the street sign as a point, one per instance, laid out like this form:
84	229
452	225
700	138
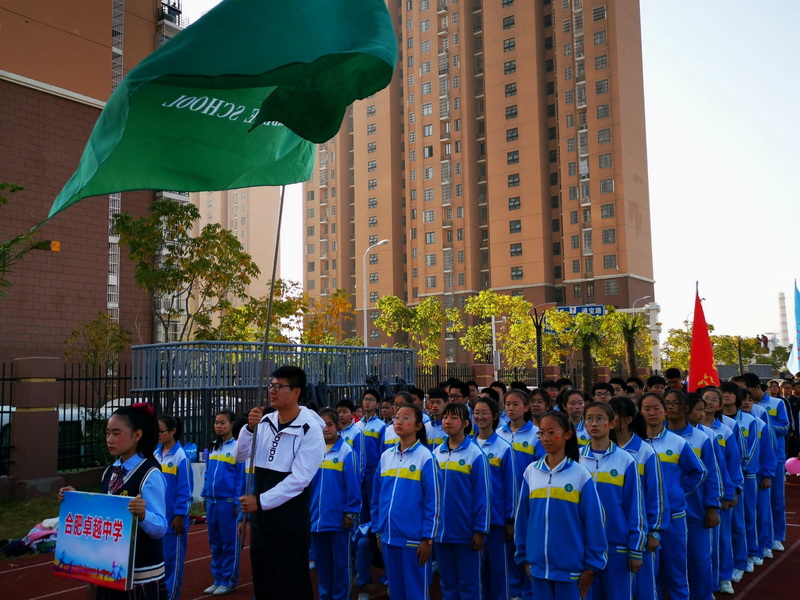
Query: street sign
596	310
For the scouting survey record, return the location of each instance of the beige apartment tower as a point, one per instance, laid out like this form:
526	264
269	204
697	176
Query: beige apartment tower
508	152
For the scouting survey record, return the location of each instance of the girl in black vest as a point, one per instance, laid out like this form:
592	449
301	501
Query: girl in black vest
131	437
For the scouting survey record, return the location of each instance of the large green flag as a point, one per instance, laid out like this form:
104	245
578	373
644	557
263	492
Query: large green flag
237	99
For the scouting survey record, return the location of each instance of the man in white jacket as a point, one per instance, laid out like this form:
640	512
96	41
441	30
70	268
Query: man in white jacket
289	450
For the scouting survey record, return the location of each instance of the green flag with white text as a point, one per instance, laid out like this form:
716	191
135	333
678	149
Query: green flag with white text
237	99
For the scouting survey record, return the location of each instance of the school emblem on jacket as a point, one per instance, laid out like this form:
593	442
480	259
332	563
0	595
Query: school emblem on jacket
335	460
169	464
569	487
669	452
491	455
462	462
719	436
524	444
614	472
412	468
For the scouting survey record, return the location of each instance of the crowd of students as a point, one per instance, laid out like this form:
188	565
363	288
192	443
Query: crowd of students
629	491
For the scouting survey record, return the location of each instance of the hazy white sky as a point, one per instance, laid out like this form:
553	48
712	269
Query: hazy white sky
722	93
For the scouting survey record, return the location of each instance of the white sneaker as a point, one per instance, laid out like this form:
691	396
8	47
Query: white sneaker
776	545
211	589
363	596
768	553
725	587
750	566
737	575
222	590
757	560
312	565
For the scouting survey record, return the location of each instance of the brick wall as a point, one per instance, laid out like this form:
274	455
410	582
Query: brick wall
41	140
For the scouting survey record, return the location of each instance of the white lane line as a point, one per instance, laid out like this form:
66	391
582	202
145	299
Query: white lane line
772	564
80	587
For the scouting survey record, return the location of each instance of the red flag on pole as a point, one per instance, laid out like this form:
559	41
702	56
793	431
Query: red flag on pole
702	368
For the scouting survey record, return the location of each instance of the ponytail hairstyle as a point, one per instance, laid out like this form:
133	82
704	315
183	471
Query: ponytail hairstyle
606	408
493	407
462	412
217	443
624	409
142	417
422	434
171	423
571	446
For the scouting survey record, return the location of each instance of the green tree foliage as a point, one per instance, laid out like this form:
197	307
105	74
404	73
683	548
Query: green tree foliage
676	349
419	327
322	319
14	249
189	278
726	349
98	342
626	341
777	358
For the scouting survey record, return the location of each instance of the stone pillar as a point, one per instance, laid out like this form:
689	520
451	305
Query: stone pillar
552	372
601	374
36	396
484	375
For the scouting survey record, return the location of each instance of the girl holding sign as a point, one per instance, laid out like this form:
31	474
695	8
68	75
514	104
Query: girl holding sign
131	437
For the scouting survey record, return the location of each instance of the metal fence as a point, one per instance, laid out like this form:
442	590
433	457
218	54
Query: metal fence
6	376
431	378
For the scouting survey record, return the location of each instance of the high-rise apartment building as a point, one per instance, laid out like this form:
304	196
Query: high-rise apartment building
59	62
507	153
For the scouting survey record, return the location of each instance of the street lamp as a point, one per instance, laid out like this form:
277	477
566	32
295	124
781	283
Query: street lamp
639	300
538	320
364	283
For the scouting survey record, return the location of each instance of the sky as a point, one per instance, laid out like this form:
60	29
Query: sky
721	96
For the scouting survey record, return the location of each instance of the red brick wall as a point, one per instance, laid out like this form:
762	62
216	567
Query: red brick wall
41	140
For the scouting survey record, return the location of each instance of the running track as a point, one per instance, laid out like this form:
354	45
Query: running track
32	579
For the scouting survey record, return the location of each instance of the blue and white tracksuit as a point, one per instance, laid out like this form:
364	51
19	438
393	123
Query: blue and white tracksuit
354	436
372	429
683	476
581	434
656	511
747	430
503	485
559	528
464	482
729	460
435	433
616	478
699	537
527	448
335	492
738	538
222	484
177	471
778	430
405	514
766	470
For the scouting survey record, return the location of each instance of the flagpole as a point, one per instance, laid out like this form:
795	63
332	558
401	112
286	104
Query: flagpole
263	362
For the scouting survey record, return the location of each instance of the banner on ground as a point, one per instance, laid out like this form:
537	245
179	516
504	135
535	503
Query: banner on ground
96	540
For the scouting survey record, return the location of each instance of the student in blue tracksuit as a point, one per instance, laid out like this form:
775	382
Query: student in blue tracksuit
541	404
778	429
464	518
223	481
558	530
437	400
766	472
520	432
406	508
572	403
502	478
743	528
335	505
702	507
731	470
351	433
177	473
616	478
372	427
683	475
653	496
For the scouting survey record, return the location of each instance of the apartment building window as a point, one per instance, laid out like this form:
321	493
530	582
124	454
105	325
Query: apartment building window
411	98
514	203
610	261
430	281
606	211
430	237
512	135
598	13
557	272
448	235
512	158
573	192
461	279
427	130
507	3
425	25
606	186
568	49
428	216
311	267
609	236
511	112
576	291
372	184
516	249
427	109
515	226
556	248
427	88
566	25
373	221
509	44
412	118
373	239
373	278
600	62
556	224
459	212
373	259
414	272
427	152
573	217
310	231
576	266
413	175
569	97
460	256
511	89
460	234
603	136
371	128
601	87
513	180
574	242
567	73
428	173
430	259
371	147
310	213
588	265
427	195
603	111
372	165
508	22
600	38
572	169
612	287
425	67
509	67
310	249
570	120
373	296
372	203
551	110
553	178
516	273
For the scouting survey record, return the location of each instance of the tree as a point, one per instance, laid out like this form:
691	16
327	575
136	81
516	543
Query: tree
677	348
322	321
189	278
14	249
587	334
727	349
419	327
515	333
98	342
777	358
626	341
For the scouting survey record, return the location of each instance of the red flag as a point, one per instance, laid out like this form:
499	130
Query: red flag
702	368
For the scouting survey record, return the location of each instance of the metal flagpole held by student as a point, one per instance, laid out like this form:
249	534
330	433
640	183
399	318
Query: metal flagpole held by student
262	374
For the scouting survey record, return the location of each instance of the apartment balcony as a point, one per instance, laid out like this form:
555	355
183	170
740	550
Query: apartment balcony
441	7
